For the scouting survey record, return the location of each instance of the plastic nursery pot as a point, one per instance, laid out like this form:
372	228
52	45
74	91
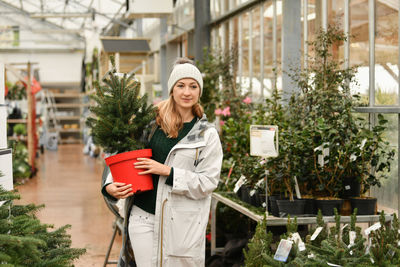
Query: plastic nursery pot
327	206
123	170
351	188
364	205
287	207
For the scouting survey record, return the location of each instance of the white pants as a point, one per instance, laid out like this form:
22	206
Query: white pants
141	229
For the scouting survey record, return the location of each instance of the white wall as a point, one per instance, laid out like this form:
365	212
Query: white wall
53	67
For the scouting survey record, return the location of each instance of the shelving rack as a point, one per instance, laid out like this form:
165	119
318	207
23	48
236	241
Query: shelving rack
68	107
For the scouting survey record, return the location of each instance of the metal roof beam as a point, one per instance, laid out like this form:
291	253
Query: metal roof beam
47	23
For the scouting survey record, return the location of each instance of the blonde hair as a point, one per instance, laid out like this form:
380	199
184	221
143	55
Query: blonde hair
169	119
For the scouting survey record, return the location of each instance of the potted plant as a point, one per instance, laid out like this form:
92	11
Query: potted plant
121	116
371	160
323	120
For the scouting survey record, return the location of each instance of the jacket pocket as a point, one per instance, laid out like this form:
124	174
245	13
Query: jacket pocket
183	232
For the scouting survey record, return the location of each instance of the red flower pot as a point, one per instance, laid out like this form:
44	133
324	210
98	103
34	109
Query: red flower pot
123	170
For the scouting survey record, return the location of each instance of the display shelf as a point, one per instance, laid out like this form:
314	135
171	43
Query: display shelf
275	221
68	107
19	121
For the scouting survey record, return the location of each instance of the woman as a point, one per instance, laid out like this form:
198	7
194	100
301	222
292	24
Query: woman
167	225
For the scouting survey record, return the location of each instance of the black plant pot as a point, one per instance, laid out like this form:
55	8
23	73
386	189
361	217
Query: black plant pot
327	205
272	206
244	194
365	206
310	207
351	188
287	207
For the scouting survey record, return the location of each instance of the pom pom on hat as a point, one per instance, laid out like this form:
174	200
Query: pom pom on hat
182	71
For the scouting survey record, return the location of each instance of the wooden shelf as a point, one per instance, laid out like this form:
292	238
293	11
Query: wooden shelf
69	105
68	95
19	121
68	118
70	130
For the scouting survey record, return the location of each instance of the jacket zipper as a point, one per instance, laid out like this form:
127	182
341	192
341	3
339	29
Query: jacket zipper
162	231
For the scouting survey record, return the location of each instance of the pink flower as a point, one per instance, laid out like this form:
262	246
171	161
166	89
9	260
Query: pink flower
226	111
221	123
247	100
218	111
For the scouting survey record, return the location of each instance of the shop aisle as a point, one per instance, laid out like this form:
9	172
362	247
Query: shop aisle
68	183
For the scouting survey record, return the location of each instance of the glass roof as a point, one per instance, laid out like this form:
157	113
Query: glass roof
73	16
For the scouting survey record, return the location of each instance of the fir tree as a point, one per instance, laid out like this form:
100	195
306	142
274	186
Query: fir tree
25	241
324	232
258	246
333	250
121	113
385	249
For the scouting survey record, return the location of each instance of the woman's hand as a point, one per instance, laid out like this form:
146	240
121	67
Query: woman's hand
119	190
152	166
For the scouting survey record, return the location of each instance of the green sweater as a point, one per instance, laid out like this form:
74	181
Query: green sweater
161	145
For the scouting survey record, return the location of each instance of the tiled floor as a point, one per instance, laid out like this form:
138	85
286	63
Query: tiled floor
68	183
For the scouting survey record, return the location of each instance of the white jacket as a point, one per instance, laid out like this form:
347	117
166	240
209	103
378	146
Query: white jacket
182	211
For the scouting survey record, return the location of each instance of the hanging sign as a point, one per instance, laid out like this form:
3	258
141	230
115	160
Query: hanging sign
264	141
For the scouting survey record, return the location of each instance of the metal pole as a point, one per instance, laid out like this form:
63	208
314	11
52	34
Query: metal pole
305	33
347	33
371	28
324	15
262	51
266	192
274	44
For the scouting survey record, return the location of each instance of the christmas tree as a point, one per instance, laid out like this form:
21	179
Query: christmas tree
385	247
121	114
258	246
25	241
334	251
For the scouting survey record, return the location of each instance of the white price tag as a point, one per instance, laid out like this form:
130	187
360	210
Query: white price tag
333	265
316	233
263	140
373	227
283	250
239	183
347	187
352	237
297	239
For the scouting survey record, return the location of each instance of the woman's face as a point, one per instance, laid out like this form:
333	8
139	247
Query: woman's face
186	93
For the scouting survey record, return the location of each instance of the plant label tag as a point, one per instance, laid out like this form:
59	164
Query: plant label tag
373	227
239	183
352	237
347	187
283	250
344	226
264	141
310	256
296	187
316	233
297	239
333	265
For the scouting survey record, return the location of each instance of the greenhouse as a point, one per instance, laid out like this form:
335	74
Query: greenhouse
199	133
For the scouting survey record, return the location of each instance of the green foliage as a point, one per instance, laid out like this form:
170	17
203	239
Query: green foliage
217	70
19	129
25	241
121	113
385	248
15	91
21	167
258	246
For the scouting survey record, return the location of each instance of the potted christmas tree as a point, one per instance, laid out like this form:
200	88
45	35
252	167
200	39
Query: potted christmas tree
121	116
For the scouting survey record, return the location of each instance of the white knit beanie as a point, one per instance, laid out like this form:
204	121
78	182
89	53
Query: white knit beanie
182	71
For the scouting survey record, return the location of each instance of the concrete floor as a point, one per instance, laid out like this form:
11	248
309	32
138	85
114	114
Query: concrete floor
68	183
